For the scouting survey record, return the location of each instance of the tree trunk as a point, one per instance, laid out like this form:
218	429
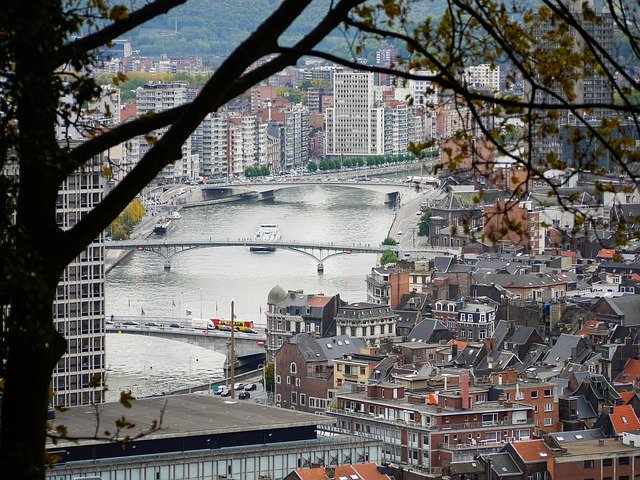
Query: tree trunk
35	347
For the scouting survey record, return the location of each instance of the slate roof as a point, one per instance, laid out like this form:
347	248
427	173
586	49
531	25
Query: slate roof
327	349
503	465
521	335
577	436
425	330
561	351
585	410
442	264
627	306
502	328
531	280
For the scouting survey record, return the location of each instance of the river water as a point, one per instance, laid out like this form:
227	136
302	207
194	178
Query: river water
205	281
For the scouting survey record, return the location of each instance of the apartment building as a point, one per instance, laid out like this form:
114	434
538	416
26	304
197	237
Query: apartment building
157	97
355	124
432	431
296	138
366	320
78	309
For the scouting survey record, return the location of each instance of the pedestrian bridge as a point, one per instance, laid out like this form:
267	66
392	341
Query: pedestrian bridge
319	251
249	347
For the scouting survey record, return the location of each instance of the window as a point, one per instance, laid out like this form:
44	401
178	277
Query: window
288	380
588	464
607	462
548	392
303	399
534	394
548	407
623	461
548	422
292	367
294	398
278	379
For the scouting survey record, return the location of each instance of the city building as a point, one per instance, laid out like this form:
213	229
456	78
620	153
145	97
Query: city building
78	309
157	97
369	321
296	138
432	431
292	312
213	151
201	436
355	123
386	286
304	373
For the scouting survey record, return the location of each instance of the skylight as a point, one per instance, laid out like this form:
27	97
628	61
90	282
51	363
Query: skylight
624	419
579	437
542	454
347	342
560	439
329	345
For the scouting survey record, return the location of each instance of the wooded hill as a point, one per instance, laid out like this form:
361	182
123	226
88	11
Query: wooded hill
212	28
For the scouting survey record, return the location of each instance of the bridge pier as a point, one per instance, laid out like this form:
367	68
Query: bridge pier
265	196
320	267
391	198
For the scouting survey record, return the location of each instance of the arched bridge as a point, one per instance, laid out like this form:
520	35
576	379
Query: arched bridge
249	347
318	251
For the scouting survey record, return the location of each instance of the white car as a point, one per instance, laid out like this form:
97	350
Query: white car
238	386
399	233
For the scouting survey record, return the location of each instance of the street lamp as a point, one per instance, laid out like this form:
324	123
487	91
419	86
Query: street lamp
200	290
190	373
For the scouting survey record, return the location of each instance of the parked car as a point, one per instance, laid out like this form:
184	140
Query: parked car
152	324
250	386
130	323
226	393
244	395
220	390
238	386
176	325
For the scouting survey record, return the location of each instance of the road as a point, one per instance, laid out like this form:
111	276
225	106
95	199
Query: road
406	223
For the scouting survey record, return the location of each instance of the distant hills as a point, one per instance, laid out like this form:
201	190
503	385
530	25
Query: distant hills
212	28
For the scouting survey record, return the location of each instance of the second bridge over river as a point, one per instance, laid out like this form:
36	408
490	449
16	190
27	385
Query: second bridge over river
167	249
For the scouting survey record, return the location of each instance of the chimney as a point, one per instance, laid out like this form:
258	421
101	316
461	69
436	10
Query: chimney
330	473
464	390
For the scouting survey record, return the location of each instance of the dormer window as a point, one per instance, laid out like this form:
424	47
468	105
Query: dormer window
293	367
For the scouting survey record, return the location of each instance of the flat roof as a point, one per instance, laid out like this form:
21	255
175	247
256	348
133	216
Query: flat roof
182	415
591	449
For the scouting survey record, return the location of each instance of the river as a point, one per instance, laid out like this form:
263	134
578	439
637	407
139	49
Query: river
205	281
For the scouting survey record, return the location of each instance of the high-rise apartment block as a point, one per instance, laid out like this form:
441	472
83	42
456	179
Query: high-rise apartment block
78	310
157	97
354	126
296	137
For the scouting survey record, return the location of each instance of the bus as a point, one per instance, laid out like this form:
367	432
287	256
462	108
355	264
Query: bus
238	325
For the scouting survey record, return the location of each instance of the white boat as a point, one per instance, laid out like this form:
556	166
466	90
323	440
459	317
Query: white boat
269	233
162	226
175	215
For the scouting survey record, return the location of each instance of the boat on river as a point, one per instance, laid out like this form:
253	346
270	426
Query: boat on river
269	233
162	226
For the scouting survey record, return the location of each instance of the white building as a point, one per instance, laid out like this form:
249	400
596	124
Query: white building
78	310
483	76
247	143
214	151
157	97
296	137
355	124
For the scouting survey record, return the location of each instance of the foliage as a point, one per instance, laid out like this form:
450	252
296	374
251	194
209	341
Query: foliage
269	375
389	241
388	257
423	227
312	166
122	226
257	171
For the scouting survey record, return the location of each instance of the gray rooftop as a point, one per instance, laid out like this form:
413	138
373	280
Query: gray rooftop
184	415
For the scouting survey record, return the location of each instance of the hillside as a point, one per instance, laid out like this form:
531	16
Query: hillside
211	28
